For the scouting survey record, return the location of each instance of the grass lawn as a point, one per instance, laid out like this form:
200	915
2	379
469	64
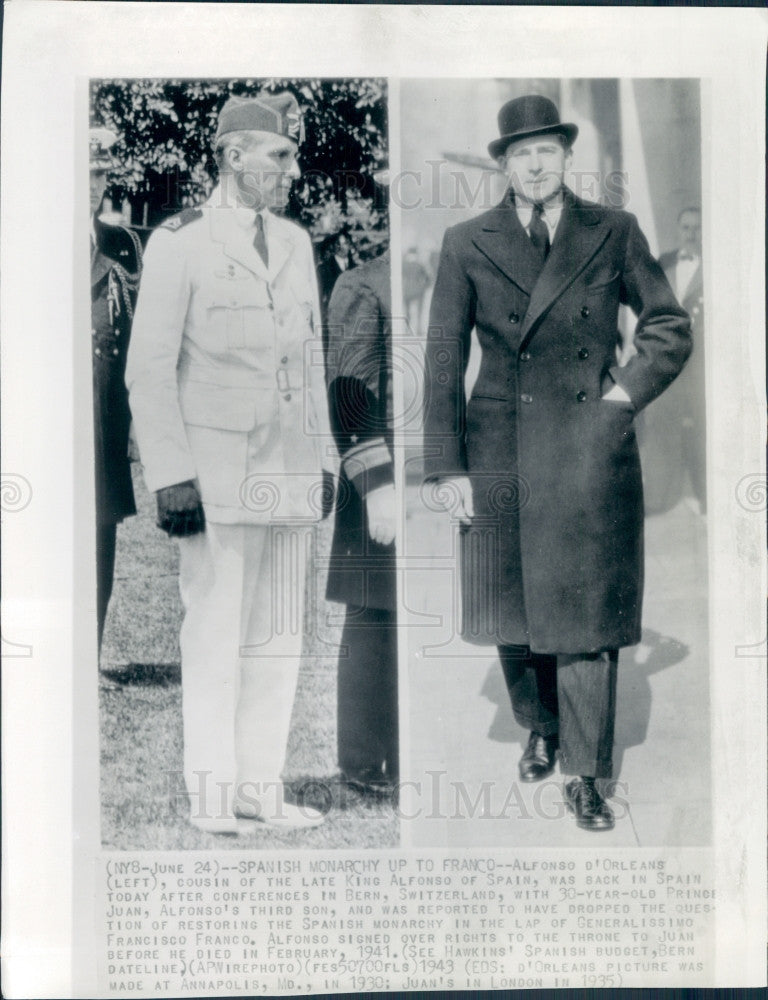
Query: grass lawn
142	805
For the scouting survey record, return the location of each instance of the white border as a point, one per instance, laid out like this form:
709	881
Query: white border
48	49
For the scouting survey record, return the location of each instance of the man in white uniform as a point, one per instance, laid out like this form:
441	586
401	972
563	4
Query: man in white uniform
227	393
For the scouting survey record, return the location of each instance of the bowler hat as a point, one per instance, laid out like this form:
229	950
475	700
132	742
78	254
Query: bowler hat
278	113
526	116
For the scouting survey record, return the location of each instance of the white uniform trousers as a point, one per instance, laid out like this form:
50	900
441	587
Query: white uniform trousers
242	587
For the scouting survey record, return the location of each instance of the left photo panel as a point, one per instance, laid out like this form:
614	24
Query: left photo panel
243	463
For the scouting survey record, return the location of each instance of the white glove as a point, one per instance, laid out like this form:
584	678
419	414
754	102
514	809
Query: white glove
380	507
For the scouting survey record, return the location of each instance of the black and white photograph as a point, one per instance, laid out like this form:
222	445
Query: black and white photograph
552	267
243	463
383	498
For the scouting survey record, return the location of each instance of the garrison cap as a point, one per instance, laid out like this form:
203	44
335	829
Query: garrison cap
278	113
100	141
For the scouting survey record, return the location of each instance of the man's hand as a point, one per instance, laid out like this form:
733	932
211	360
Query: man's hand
380	507
179	510
459	490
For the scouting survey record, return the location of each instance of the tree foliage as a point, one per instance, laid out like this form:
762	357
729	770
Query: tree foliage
166	128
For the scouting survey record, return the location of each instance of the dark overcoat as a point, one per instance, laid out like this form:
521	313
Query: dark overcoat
115	269
554	556
359	377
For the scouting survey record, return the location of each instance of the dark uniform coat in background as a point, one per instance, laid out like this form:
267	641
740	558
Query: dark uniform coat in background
358	373
115	267
554	557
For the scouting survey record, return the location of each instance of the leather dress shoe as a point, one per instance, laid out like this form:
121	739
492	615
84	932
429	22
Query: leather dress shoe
538	758
591	810
373	783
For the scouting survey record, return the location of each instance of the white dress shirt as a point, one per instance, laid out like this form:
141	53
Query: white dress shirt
553	209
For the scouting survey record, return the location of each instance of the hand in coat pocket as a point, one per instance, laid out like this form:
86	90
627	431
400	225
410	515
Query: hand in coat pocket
463	508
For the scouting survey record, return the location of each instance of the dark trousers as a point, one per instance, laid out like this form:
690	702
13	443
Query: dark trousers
367	725
106	535
573	696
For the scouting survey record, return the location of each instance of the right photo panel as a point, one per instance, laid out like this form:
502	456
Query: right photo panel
554	558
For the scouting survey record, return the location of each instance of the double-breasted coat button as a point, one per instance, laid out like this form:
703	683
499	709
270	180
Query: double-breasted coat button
583	354
585	311
581	395
527	397
514	318
525	356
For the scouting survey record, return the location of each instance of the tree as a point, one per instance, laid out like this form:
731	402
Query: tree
164	151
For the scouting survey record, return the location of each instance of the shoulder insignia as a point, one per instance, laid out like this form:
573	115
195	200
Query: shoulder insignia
177	222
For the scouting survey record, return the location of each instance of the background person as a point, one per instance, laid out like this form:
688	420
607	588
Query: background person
673	443
115	273
362	564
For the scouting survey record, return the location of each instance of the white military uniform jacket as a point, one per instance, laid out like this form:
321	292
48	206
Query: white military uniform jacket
225	368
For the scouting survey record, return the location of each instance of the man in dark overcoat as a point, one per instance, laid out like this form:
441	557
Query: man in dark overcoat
362	564
115	270
542	457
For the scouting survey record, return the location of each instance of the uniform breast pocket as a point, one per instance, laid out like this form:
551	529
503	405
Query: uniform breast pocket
238	312
301	296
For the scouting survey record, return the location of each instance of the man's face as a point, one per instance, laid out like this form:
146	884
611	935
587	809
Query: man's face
265	172
98	187
689	229
535	167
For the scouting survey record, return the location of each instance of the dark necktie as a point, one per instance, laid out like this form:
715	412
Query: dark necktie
260	240
539	232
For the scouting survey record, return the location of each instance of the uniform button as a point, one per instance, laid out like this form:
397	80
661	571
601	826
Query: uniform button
581	396
514	318
93	333
526	397
583	354
271	306
284	360
98	351
585	311
115	350
525	356
287	397
117	333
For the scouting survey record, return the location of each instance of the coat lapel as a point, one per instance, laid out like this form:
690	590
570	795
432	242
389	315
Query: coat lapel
280	247
238	245
506	244
580	234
